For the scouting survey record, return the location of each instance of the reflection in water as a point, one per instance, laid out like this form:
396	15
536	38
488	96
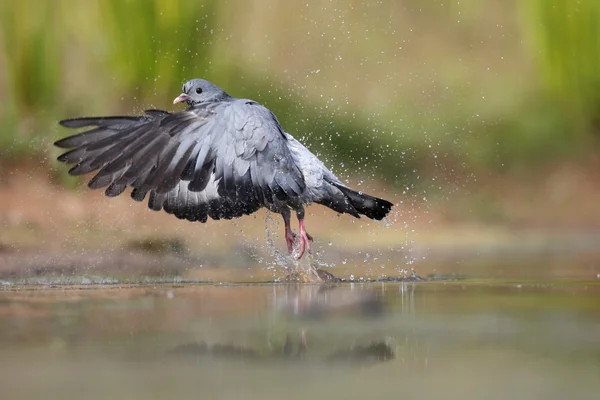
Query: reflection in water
456	340
407	296
354	355
307	302
327	300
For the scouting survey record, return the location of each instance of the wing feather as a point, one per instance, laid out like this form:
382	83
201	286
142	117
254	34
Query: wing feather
218	159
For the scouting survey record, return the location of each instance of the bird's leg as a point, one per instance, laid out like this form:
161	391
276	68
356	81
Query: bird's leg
289	235
305	238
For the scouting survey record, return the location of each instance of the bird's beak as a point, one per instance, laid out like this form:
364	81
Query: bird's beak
181	98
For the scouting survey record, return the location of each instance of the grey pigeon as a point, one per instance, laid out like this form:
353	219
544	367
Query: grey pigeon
221	157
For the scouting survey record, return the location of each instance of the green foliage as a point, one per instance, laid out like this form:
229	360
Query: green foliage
566	40
165	44
60	58
31	68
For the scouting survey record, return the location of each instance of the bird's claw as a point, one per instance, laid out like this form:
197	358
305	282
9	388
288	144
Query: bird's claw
290	237
305	240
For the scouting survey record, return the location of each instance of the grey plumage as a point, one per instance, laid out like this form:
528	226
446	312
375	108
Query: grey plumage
222	157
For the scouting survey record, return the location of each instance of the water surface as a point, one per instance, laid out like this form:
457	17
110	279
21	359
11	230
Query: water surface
462	339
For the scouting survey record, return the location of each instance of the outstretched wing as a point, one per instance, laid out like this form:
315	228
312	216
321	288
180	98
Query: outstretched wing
219	159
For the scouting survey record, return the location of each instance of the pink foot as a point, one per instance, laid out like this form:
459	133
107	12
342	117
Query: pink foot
305	240
289	239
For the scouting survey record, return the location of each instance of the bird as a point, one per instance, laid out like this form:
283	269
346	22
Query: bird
221	157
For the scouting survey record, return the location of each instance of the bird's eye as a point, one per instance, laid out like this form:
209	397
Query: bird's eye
198	90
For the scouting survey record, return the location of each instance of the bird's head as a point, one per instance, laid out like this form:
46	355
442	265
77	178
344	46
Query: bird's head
200	91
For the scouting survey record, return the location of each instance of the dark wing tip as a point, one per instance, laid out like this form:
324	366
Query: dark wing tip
74	122
107	121
63	144
64	122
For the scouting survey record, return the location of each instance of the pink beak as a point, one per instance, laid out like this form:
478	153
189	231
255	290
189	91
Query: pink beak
181	98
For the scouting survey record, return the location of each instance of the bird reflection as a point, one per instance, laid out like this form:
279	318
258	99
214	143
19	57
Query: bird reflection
327	300
310	303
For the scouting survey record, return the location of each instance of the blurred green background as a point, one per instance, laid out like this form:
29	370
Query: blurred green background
477	115
479	83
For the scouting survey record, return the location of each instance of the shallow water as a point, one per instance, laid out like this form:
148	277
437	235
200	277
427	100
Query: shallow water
464	339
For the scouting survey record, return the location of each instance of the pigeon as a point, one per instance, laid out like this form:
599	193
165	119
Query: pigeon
221	157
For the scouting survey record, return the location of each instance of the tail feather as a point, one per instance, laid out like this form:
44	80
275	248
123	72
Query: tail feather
370	206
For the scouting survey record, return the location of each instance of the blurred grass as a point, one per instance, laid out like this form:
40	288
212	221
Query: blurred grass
404	116
567	34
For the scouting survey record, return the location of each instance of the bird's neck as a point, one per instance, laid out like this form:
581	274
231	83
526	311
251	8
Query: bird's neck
221	97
